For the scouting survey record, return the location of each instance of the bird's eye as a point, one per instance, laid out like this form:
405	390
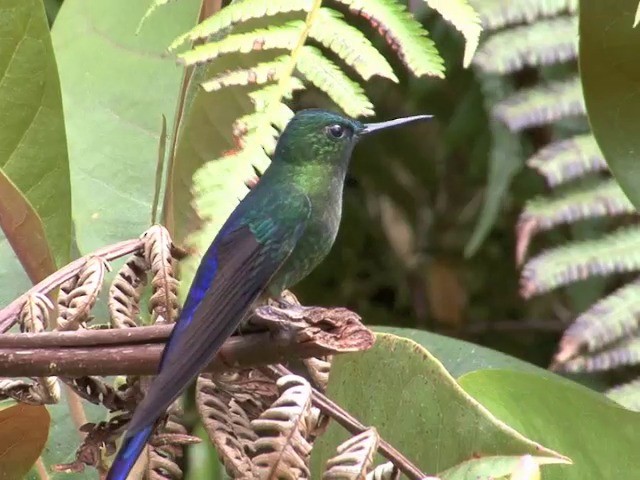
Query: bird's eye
336	131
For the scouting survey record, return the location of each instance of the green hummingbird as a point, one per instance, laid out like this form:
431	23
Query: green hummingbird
280	231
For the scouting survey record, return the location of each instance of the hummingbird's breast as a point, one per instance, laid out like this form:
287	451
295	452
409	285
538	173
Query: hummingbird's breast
319	234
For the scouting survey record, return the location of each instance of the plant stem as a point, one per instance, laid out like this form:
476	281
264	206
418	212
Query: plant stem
94	352
352	425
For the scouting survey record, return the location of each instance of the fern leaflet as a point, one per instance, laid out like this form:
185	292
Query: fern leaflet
350	45
624	353
462	16
603	199
500	13
328	77
616	252
543	104
567	159
543	43
239	12
627	395
607	321
402	32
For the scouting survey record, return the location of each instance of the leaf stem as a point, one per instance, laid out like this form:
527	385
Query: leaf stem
352	425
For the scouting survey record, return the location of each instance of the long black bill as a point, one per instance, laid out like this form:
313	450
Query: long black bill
376	127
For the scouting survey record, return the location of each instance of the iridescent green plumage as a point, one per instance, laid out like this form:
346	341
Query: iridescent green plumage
276	236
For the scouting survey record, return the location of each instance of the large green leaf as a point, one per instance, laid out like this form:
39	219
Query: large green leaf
460	357
23	433
599	436
116	86
33	150
406	393
610	75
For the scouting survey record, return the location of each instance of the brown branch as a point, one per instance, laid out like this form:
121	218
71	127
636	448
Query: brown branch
9	314
87	338
75	354
352	425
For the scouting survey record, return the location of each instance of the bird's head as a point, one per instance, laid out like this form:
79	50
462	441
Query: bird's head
316	135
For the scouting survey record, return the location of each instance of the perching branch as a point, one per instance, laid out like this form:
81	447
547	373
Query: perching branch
136	351
352	425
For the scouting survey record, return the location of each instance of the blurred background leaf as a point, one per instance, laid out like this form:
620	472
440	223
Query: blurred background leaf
116	86
33	148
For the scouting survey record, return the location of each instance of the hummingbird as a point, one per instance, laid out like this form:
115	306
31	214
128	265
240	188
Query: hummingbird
277	234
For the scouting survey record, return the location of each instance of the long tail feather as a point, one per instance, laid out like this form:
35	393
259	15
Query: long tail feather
128	454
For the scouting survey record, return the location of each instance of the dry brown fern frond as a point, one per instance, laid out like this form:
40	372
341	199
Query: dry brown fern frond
79	295
125	292
158	253
354	457
282	449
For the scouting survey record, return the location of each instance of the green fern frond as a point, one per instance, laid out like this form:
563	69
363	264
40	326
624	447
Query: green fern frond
402	32
541	105
568	159
261	98
607	321
239	12
247	124
465	19
604	199
624	353
155	4
616	252
627	395
260	74
542	43
329	78
350	45
496	14
284	37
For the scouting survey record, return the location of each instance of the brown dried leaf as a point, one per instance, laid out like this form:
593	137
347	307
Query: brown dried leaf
282	449
337	329
354	458
166	447
99	442
250	388
42	392
319	369
228	427
125	292
24	230
34	318
158	248
76	302
99	392
386	471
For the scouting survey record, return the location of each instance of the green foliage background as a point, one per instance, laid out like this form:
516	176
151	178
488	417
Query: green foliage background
428	240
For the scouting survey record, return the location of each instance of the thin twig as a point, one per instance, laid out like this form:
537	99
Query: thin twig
142	358
352	425
9	314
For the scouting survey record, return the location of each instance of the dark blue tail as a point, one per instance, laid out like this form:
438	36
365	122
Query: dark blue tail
128	454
